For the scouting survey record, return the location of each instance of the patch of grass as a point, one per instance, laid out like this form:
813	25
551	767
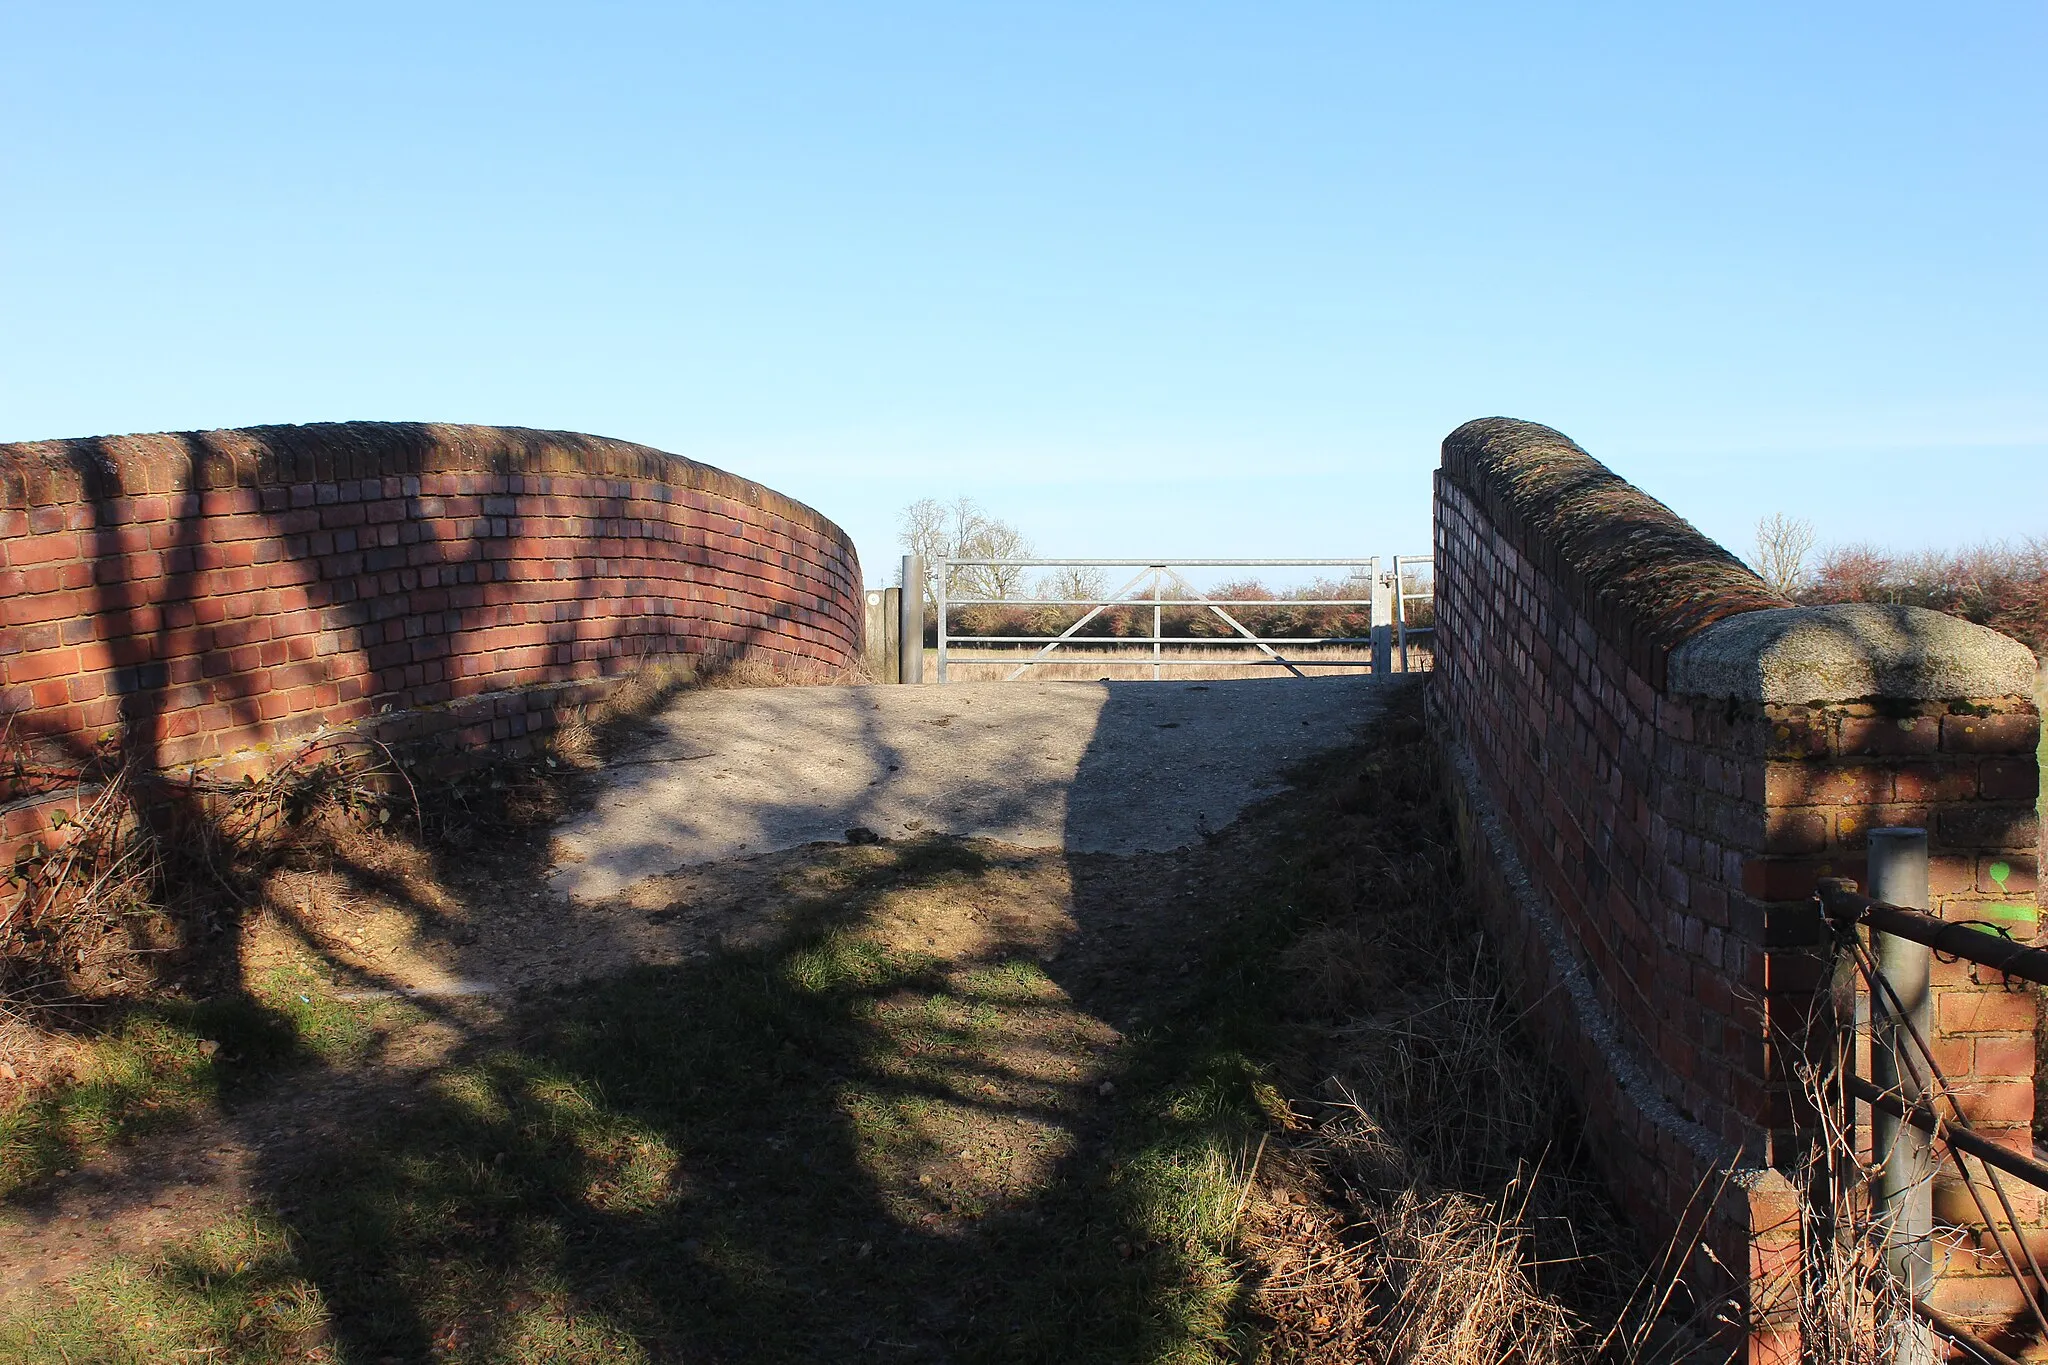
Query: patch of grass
162	1065
148	1073
231	1293
304	1019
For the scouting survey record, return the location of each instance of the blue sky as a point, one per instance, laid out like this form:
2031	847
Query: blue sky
1184	279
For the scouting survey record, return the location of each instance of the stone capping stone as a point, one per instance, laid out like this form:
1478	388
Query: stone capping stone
1639	573
1847	653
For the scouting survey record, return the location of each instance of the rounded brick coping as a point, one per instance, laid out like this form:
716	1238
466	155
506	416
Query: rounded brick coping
1644	575
197	595
1849	652
93	468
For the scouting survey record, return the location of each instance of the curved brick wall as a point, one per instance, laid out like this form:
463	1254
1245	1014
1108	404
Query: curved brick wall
1654	758
202	594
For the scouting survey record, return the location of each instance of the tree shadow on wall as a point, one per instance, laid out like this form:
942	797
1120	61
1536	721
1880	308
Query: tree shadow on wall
138	925
212	601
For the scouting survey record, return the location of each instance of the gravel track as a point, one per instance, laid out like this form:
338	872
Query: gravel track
1101	767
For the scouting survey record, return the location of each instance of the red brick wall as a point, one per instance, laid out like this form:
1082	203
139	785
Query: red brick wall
1649	858
197	597
1964	771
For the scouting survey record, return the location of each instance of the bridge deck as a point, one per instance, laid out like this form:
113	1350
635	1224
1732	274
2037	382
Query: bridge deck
1088	767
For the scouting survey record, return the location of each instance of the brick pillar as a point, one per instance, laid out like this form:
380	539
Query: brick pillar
1865	717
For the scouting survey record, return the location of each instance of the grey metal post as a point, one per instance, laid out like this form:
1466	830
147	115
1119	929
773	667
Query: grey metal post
1400	615
1155	625
1905	1182
942	581
910	622
1382	625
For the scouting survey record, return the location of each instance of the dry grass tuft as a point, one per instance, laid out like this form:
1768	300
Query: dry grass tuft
1446	1211
1852	1309
137	897
748	671
1458	1246
1462	1288
1439	1206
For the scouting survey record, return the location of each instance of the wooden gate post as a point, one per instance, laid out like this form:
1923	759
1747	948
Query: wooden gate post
884	660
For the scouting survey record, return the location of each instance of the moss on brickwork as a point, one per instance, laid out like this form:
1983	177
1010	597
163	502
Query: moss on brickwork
1642	574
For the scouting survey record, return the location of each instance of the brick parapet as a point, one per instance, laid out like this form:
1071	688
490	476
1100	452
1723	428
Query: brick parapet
1639	576
198	596
1673	838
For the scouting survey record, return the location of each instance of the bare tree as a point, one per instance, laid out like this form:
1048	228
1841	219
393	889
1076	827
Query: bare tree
923	529
1782	545
1073	583
962	530
989	538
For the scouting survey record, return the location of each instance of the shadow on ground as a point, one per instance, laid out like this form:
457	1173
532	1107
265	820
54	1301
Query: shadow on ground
951	1112
835	1149
975	1103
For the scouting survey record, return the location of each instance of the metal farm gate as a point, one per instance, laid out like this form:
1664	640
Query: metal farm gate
1380	607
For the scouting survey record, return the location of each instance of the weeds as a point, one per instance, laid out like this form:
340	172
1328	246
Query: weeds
145	869
2004	586
1451	1214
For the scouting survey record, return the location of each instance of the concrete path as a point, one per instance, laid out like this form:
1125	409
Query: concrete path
1091	767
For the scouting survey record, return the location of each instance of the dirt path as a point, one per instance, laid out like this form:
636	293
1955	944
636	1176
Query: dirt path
1089	767
442	951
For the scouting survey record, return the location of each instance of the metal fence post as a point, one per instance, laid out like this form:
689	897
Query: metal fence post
941	582
1400	615
1156	646
1905	1182
910	622
1382	624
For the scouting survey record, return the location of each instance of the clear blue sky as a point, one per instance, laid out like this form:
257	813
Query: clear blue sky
1143	278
